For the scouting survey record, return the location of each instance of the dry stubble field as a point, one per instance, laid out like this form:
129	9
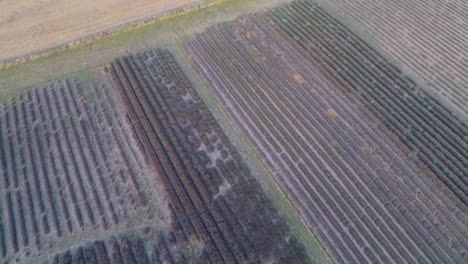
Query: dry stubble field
29	26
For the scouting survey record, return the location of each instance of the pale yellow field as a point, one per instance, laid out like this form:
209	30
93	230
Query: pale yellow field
27	26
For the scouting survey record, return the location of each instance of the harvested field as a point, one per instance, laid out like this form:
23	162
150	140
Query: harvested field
30	26
212	196
70	171
427	37
375	164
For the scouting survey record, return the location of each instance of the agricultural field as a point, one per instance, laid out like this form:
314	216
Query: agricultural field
29	26
132	248
428	38
212	196
376	165
132	168
70	171
233	131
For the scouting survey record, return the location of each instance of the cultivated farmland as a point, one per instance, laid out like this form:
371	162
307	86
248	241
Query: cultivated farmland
212	197
427	37
70	171
376	165
132	248
291	135
137	174
437	138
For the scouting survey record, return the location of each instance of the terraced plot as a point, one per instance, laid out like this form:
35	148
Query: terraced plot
70	171
428	37
375	165
212	197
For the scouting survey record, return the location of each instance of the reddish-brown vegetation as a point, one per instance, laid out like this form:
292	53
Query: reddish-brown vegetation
212	197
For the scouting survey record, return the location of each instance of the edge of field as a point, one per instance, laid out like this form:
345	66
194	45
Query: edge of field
85	59
112	31
313	247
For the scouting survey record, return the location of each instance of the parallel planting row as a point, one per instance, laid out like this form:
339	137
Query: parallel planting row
212	198
139	248
68	166
374	164
426	127
428	37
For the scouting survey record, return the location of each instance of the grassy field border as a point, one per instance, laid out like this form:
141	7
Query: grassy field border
89	57
34	55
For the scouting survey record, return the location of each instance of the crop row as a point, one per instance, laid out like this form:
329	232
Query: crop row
350	185
223	163
168	117
59	168
431	42
121	249
334	76
418	120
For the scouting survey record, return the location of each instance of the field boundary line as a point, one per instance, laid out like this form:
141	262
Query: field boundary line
110	32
